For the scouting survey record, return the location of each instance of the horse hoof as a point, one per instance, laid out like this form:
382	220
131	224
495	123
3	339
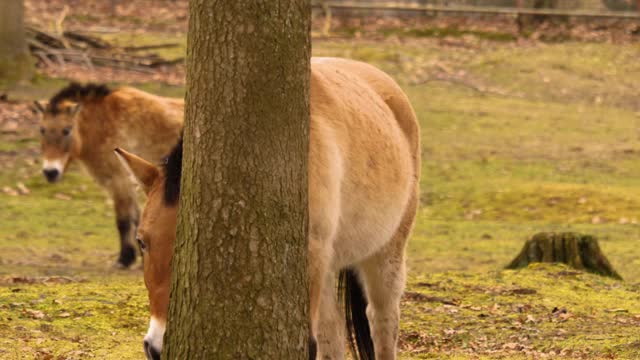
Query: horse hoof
127	257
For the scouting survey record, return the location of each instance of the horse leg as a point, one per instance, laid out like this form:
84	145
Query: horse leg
331	326
317	272
384	280
384	276
127	217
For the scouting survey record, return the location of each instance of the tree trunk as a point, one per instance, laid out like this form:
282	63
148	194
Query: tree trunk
239	283
15	62
581	252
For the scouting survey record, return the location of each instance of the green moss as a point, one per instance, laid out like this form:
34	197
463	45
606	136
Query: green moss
521	314
162	89
95	319
124	39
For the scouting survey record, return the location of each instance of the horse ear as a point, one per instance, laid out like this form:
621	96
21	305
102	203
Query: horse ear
145	172
38	107
72	110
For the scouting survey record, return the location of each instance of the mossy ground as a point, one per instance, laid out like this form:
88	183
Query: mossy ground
517	139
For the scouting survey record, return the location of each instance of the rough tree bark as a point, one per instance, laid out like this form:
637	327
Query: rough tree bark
15	62
239	283
578	251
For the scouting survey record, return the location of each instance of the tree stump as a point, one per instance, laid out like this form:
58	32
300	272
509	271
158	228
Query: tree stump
579	251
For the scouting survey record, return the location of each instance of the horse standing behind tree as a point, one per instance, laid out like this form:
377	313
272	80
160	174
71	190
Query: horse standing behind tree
364	169
87	122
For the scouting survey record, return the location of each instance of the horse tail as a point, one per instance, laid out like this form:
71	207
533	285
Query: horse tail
355	311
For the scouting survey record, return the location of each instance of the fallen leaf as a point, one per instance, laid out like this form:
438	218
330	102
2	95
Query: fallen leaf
34	314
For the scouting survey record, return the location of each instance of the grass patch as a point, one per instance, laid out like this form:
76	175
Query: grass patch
447	32
541	154
88	319
517	313
125	39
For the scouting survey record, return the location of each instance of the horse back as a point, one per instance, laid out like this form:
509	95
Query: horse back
132	119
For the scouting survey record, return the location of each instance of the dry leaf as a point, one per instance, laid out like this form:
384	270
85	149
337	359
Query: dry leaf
34	314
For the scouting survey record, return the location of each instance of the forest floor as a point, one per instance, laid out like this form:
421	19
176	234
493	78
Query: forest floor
518	137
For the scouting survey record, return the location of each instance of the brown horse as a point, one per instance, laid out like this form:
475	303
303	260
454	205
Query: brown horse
364	168
87	122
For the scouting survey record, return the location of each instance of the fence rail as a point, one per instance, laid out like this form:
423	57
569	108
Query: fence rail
328	6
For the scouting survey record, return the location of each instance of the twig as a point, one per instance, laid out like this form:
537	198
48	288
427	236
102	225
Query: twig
166	62
44	58
60	19
59	23
76	47
151	47
89	40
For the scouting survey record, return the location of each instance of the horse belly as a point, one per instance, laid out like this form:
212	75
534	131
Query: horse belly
372	204
363	235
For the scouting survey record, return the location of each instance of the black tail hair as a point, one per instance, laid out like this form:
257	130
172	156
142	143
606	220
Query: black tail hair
355	311
313	348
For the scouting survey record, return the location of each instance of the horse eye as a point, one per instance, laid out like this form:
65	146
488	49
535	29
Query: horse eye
66	131
42	130
141	244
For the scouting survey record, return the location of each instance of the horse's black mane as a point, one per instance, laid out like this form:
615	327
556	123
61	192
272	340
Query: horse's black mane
173	173
77	93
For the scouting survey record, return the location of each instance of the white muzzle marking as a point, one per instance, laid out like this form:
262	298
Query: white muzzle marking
155	334
55	164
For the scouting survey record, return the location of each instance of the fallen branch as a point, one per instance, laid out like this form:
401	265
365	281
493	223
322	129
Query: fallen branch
151	47
80	48
92	41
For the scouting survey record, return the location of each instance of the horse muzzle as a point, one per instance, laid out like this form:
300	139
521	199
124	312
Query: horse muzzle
52	169
153	339
150	352
52	175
